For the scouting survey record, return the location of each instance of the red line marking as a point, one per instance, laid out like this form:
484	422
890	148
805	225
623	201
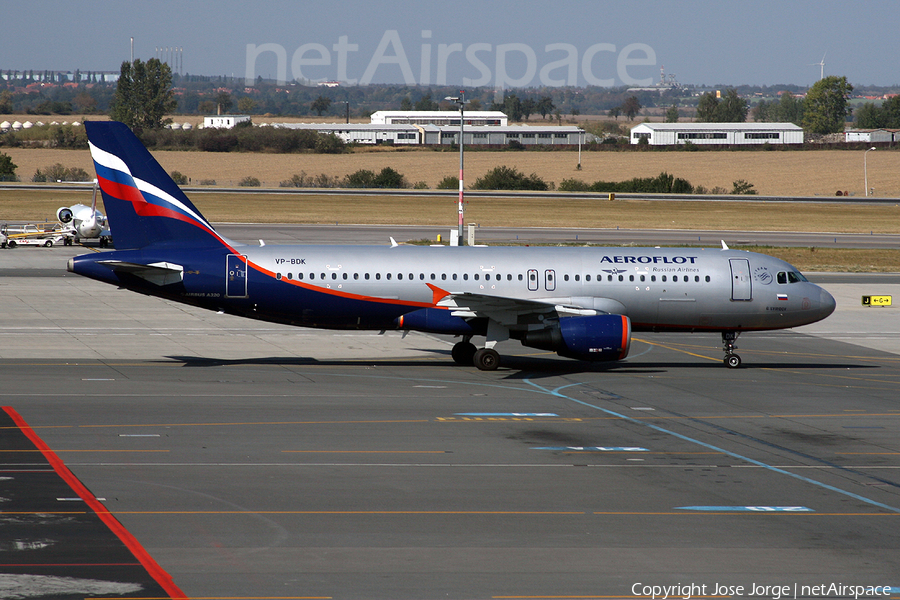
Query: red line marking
153	568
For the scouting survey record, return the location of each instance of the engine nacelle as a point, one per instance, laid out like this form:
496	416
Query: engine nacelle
438	320
65	214
595	338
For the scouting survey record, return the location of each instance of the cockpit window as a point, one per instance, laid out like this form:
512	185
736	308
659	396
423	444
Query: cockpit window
782	277
795	277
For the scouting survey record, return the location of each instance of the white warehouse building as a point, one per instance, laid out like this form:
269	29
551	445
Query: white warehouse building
670	134
474	118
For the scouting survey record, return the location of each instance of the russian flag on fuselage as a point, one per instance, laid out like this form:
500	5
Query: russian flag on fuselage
144	206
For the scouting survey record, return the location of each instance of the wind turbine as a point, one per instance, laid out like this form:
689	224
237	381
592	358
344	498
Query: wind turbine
821	65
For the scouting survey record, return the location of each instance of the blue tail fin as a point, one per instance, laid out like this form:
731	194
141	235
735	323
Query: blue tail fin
144	206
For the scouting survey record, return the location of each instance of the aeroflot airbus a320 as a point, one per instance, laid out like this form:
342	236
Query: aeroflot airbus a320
581	303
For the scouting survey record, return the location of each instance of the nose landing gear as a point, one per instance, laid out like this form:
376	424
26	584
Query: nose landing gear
731	360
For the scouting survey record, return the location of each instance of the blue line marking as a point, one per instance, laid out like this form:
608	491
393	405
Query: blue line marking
594	448
747	508
506	414
691	440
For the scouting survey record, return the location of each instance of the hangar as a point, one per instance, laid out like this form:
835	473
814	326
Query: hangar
475	118
668	134
370	133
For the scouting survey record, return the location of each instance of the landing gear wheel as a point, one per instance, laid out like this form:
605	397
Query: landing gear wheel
486	359
463	352
732	361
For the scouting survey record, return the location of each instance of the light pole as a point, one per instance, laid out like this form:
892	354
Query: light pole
461	102
866	169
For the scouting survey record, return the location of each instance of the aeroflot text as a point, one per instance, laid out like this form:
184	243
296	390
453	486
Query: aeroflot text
646	260
755	590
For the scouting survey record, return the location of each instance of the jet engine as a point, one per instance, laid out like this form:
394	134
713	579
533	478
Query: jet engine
65	214
595	338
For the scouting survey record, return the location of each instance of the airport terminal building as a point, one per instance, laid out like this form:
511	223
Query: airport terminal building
670	134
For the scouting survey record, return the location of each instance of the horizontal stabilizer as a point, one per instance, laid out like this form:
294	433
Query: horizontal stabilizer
161	273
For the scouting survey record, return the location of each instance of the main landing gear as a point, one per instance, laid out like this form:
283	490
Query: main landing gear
731	360
465	353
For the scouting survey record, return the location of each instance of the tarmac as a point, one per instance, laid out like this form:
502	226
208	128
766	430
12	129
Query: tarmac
246	459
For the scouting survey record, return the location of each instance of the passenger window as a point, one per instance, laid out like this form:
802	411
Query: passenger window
465	276
566	277
367	276
696	278
454	277
345	276
290	275
422	276
378	276
476	276
388	276
664	278
520	277
356	276
487	276
509	276
444	277
410	276
432	277
631	278
621	278
312	275
609	277
653	278
587	277
278	276
707	279
322	276
299	275
334	275
643	277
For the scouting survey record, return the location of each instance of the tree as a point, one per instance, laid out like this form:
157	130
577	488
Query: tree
321	104
246	105
672	114
869	116
631	107
7	168
732	108
143	94
614	112
426	103
707	108
406	104
826	105
545	106
224	101
6	106
890	111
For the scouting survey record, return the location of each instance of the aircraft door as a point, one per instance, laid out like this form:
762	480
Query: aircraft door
550	280
740	279
532	280
236	276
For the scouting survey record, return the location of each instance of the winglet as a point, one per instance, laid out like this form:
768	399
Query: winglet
438	293
724	246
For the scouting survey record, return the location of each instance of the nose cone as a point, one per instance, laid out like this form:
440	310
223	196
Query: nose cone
826	304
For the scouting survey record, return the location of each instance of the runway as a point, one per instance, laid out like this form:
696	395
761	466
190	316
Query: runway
258	461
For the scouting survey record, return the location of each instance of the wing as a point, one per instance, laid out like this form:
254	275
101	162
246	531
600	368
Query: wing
521	311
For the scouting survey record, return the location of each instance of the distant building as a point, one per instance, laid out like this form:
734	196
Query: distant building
870	135
224	121
476	118
369	133
670	134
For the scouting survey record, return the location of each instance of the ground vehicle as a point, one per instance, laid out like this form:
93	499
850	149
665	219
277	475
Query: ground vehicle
42	234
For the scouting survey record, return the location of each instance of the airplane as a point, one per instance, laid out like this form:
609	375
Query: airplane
582	303
85	222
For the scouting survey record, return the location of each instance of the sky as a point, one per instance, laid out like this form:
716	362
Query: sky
468	43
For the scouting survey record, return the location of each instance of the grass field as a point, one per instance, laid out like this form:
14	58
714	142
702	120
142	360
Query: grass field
775	173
